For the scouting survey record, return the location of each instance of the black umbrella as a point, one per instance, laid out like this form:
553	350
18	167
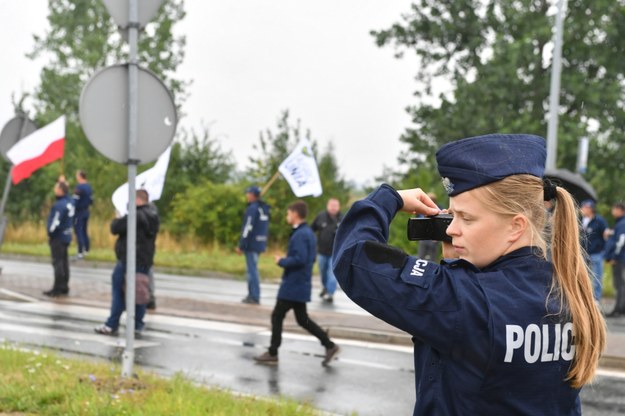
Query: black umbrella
572	182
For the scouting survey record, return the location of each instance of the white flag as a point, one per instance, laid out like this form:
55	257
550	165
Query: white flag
152	180
300	171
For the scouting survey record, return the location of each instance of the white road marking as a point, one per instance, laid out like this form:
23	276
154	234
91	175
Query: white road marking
78	336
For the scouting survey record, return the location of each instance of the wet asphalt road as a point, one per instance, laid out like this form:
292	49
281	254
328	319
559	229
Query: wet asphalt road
367	378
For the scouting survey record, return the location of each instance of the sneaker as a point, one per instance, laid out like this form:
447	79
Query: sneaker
78	256
266	358
328	298
105	330
323	292
330	354
250	301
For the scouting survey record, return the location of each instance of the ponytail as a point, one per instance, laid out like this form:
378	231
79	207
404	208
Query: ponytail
572	283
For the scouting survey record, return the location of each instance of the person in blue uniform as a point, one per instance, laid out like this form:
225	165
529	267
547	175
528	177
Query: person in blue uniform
253	241
83	198
59	227
615	255
296	286
593	227
498	330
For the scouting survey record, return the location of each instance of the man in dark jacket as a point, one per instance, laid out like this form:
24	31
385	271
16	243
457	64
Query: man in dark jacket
253	240
296	286
325	225
593	227
83	197
147	229
615	255
59	228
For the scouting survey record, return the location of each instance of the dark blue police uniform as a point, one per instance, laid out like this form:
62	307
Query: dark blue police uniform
486	341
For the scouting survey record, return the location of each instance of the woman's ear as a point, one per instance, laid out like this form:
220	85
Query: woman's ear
518	225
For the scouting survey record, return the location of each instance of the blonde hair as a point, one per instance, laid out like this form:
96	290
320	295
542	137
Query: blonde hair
523	194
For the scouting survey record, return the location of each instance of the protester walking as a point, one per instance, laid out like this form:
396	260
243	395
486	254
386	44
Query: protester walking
325	225
296	286
615	255
253	240
83	198
147	229
59	227
499	330
593	228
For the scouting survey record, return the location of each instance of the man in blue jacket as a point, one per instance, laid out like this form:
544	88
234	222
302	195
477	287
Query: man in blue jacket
593	227
615	255
83	197
296	286
59	227
253	240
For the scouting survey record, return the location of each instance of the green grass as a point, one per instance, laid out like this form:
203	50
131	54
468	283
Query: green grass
34	383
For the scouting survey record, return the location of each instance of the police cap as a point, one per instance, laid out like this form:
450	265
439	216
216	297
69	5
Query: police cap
476	161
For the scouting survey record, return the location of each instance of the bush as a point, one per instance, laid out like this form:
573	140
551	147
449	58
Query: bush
211	212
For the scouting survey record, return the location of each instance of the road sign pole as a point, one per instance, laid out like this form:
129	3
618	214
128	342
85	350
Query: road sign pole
7	185
131	236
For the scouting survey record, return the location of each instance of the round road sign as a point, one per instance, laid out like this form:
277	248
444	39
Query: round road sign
104	114
17	128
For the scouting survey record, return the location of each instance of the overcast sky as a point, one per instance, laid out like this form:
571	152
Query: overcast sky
251	59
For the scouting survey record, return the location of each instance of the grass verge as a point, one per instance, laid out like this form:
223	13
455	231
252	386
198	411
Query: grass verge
34	383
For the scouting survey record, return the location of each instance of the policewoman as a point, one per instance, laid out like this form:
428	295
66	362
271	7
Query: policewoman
498	330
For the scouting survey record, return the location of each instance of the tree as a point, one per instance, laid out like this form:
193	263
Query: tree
195	159
271	150
494	56
82	39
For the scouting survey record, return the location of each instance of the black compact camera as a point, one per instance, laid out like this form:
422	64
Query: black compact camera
429	228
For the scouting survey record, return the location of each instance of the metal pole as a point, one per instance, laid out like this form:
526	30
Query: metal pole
133	118
7	186
554	93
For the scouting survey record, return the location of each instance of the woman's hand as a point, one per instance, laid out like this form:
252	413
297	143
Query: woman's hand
418	202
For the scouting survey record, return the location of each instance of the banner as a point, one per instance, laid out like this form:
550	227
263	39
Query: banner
152	180
38	149
300	171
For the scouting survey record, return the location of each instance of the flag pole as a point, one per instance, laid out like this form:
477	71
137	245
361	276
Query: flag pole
271	181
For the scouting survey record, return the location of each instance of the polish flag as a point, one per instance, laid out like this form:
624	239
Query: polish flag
38	149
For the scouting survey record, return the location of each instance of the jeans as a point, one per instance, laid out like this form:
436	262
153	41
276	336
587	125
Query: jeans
60	263
301	316
253	279
118	298
80	228
596	267
327	275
